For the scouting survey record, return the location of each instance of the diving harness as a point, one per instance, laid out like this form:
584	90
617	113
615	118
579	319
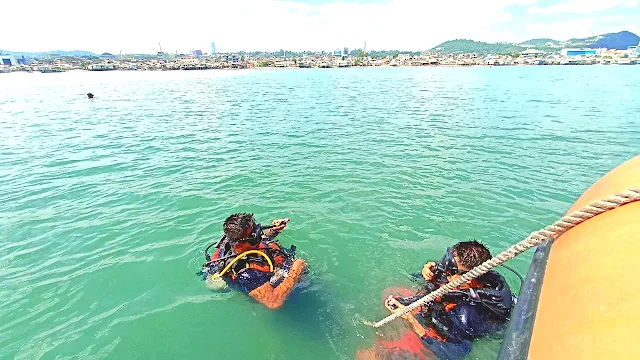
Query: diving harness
495	297
226	259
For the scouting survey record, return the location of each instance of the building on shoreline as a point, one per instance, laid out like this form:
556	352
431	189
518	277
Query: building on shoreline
581	52
337	59
531	53
12	60
101	67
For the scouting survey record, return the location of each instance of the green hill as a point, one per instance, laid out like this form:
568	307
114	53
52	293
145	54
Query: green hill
76	53
539	42
462	46
620	40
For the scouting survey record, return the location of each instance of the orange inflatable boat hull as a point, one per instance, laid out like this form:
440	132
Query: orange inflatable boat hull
588	304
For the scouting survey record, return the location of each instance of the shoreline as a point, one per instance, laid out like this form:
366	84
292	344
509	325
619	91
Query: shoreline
59	69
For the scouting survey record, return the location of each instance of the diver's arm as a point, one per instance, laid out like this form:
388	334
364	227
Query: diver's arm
273	298
453	278
278	225
393	305
415	324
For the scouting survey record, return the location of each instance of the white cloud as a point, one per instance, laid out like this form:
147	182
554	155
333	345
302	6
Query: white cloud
131	26
582	6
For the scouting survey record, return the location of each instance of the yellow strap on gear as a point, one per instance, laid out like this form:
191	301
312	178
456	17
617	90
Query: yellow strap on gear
226	268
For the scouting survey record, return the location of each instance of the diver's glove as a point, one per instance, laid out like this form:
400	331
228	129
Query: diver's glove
296	270
279	224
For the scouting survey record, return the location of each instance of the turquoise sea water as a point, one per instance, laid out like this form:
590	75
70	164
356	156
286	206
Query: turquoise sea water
106	205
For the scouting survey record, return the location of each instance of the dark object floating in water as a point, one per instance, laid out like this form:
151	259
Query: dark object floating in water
90	95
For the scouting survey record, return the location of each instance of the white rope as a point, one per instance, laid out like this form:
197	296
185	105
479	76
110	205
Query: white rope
552	231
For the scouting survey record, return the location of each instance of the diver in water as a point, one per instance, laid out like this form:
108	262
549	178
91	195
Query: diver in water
251	260
90	96
479	308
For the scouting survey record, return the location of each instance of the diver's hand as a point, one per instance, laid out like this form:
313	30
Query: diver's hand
279	224
298	266
455	277
427	271
394	306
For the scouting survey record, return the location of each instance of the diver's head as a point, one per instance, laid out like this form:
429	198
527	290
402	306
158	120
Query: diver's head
468	254
242	227
239	226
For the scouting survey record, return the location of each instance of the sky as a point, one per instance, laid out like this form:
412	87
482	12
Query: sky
130	26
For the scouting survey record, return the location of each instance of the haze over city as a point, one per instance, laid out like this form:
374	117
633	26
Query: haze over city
269	25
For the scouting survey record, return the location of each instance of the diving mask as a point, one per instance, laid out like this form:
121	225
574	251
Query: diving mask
448	263
255	237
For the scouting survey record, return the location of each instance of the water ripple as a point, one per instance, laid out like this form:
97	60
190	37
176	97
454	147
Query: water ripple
106	205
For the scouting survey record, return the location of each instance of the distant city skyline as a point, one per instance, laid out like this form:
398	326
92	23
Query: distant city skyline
297	25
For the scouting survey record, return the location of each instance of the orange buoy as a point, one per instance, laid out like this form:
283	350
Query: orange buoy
589	306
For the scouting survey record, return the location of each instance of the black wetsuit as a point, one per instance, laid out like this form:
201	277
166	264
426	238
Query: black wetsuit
462	316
